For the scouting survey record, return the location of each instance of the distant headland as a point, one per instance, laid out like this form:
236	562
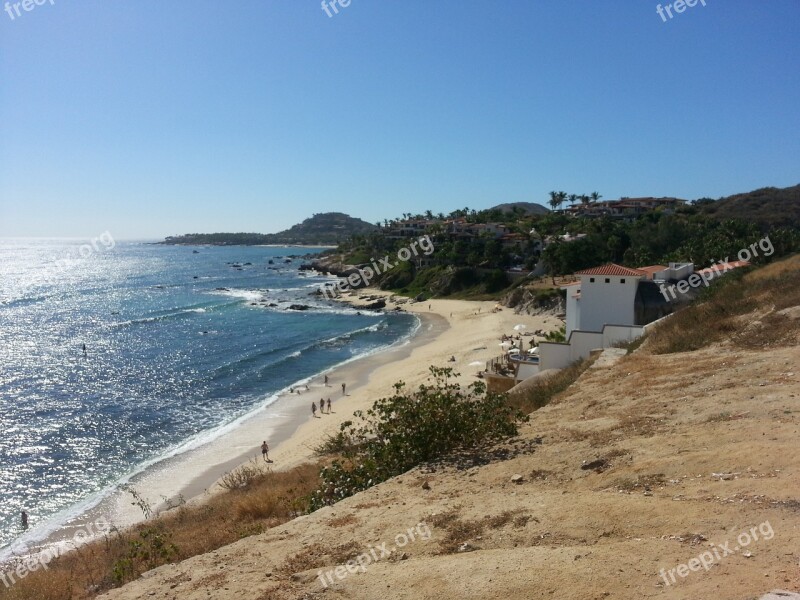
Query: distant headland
323	229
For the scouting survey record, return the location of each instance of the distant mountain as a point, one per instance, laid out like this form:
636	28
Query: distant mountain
322	229
530	208
768	207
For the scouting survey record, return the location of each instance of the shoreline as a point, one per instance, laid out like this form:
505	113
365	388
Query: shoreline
189	475
467	331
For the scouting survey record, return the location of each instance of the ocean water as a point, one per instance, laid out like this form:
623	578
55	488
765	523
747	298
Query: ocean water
170	357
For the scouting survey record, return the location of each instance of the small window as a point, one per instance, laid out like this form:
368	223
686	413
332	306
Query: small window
622	281
591	279
608	280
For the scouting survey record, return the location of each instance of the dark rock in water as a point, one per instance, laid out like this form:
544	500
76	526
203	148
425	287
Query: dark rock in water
288	260
247	264
222	289
316	292
299	307
195	277
306	267
270	262
272	305
375	305
254	304
195	252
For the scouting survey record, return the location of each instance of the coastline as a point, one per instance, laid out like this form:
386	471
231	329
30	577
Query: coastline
466	330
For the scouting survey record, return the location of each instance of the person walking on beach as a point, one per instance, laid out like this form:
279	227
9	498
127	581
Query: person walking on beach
326	381
322	405
313	409
344	389
24	520
329	406
265	451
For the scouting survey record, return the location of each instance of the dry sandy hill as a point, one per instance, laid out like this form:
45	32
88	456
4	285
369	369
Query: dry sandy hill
696	454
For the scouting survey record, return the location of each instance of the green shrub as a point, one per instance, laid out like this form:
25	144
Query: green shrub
409	429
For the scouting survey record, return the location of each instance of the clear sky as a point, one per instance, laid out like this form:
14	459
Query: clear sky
149	118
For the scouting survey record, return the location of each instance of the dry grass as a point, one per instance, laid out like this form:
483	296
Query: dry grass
459	531
317	556
547	388
343	521
269	499
729	304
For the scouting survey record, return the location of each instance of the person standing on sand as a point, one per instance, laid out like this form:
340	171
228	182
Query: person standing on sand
313	409
326	381
265	450
344	389
329	406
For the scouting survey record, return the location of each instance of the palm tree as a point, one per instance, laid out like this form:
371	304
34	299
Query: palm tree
429	214
553	202
584	199
595	196
573	198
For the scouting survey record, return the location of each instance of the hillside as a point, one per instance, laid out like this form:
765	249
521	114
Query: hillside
321	229
767	207
527	208
648	461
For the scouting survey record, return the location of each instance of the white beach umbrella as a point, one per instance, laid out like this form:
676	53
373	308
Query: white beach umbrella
520	327
476	363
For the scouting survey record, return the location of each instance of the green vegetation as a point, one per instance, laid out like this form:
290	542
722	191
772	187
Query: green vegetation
467	264
411	428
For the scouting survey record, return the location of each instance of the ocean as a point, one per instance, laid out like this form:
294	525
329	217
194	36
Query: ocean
180	342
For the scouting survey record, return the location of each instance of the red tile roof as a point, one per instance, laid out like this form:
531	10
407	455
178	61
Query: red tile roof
612	269
653	269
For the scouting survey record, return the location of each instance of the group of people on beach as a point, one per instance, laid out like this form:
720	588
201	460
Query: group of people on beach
321	407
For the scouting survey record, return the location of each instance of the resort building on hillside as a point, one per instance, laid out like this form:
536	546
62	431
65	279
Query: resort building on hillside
629	208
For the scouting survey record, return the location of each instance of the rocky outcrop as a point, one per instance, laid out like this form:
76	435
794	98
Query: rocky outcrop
535	302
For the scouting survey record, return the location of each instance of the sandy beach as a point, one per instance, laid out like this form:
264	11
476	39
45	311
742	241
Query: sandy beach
469	331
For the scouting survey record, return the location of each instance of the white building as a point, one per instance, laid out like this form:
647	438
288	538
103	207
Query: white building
606	296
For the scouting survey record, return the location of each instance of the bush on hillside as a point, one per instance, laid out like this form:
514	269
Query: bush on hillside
411	428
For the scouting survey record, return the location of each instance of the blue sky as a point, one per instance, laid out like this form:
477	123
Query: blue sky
148	119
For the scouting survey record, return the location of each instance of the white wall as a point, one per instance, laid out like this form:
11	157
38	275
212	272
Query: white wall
527	370
573	309
607	303
581	343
